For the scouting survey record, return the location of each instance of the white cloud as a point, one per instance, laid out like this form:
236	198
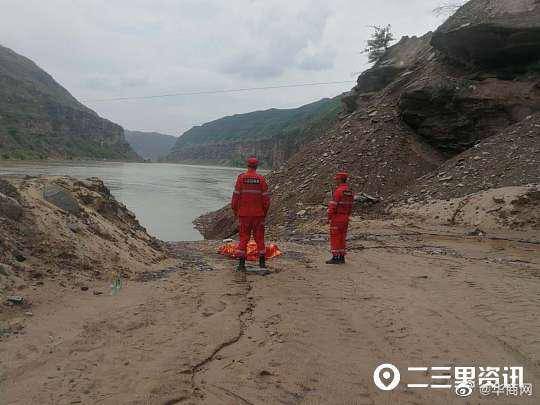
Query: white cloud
279	37
104	49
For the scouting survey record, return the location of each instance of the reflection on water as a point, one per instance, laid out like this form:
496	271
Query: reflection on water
165	197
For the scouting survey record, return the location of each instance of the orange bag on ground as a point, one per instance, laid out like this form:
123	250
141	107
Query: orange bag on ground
229	249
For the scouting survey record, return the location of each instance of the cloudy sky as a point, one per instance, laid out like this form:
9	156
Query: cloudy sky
120	48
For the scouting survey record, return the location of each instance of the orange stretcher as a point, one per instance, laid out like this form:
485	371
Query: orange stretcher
229	249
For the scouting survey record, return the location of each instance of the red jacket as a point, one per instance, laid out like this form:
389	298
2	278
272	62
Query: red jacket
251	197
340	207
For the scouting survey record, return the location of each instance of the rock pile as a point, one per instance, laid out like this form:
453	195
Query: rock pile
509	158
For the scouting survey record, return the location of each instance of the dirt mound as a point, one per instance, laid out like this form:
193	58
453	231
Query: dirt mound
69	230
494	209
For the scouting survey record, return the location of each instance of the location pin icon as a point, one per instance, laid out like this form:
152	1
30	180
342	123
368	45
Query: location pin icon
386	377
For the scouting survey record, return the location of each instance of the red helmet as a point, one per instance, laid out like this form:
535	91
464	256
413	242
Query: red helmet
252	162
341	176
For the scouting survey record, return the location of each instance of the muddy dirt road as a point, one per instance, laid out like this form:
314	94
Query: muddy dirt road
307	334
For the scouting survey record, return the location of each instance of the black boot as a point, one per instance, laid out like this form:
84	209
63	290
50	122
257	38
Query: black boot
241	264
262	262
333	260
342	259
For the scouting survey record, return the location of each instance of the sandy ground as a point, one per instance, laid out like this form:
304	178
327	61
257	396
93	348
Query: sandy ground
308	333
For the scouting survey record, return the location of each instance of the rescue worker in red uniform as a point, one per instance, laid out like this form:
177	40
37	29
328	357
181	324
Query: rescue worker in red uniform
339	211
250	203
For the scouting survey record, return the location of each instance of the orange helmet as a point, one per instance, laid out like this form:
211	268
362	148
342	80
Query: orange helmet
252	162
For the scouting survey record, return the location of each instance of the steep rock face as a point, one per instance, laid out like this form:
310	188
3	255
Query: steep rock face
273	135
396	61
40	119
453	113
492	33
272	152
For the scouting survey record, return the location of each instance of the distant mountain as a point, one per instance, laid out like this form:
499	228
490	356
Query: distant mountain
150	145
39	119
273	135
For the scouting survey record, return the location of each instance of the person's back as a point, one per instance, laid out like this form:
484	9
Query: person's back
339	211
344	199
250	203
251	189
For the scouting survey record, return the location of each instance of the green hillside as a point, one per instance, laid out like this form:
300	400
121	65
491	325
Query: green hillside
39	119
272	134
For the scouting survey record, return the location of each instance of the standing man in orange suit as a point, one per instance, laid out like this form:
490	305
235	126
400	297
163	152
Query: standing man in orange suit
250	203
339	211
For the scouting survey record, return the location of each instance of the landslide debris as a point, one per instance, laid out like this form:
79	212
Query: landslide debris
510	158
70	231
422	124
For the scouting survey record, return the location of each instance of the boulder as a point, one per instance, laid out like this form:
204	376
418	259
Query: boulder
218	224
492	33
61	197
10	207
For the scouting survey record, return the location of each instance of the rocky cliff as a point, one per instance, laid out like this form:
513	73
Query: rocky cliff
39	119
492	33
420	108
273	135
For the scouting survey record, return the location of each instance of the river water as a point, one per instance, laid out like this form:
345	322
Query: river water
165	197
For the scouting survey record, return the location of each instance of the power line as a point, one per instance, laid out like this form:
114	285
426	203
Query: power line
201	92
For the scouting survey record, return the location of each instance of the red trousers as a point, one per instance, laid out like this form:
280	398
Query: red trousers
247	227
338	235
